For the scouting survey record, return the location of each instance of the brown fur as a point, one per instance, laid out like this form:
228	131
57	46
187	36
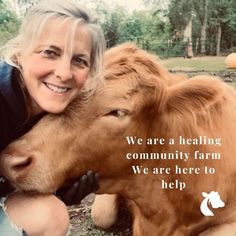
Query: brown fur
152	103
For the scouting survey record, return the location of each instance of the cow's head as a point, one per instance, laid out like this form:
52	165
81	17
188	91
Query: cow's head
91	133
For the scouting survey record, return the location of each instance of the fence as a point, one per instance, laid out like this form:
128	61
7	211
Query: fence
178	48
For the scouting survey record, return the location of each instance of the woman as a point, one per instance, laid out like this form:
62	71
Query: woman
57	50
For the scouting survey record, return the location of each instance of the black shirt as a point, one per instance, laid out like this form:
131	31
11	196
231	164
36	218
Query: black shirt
14	120
13	115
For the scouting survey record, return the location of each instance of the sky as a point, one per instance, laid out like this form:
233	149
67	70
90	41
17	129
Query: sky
129	4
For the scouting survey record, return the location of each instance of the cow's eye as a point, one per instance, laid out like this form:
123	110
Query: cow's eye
117	113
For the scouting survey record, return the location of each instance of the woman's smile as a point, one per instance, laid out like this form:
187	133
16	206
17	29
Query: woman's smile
56	88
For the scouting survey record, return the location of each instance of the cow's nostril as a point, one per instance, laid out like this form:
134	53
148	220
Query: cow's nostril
22	164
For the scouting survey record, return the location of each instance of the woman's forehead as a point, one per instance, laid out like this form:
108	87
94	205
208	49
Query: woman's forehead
66	34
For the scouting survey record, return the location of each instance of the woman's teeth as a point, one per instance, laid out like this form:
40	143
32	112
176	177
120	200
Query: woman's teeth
56	89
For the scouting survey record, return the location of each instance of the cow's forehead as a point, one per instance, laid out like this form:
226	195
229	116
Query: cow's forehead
114	94
118	93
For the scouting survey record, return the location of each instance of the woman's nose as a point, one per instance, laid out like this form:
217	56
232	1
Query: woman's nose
63	70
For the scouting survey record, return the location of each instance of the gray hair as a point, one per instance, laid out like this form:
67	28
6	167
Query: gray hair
35	20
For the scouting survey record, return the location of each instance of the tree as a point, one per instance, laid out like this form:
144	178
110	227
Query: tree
222	16
19	6
9	23
111	20
214	22
130	30
110	28
180	12
201	11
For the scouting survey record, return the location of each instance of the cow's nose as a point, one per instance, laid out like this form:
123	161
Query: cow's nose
20	163
17	166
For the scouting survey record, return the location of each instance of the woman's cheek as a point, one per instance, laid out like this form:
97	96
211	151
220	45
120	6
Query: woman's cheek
41	69
81	78
35	69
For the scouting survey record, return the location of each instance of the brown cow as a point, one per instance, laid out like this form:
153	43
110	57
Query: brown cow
141	99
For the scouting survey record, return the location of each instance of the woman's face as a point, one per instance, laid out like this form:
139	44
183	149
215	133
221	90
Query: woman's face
56	69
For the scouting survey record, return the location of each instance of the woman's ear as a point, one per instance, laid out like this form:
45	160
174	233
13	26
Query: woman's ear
193	95
17	59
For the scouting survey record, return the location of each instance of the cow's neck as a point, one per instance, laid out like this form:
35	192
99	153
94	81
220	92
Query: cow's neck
137	188
146	200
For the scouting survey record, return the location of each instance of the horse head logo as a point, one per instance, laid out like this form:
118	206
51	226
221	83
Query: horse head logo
214	199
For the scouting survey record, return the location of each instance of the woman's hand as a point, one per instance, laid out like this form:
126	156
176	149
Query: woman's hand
73	193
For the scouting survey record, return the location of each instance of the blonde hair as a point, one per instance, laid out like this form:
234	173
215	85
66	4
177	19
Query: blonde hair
34	22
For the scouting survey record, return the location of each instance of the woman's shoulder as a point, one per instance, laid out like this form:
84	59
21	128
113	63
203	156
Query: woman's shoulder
11	91
5	81
5	68
12	105
5	75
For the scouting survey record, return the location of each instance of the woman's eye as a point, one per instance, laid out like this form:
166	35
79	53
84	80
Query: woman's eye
81	62
49	53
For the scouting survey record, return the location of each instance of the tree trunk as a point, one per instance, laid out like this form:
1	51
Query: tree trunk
203	29
196	46
218	39
188	30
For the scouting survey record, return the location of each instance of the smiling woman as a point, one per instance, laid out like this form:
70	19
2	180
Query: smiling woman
55	71
58	51
56	60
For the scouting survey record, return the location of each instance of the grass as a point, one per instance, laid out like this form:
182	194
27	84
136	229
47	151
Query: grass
196	63
200	65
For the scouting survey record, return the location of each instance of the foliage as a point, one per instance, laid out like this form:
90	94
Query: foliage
154	28
221	14
179	13
9	23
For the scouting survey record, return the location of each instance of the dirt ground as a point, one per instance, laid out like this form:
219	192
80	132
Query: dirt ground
82	224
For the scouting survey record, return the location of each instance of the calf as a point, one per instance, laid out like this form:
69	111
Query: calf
140	100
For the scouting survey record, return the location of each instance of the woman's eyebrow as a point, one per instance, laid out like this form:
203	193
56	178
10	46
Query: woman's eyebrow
55	48
84	55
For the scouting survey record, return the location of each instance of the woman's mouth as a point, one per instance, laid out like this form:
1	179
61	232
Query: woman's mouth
55	88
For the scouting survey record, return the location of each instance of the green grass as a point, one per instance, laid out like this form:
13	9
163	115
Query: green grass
200	65
196	63
234	84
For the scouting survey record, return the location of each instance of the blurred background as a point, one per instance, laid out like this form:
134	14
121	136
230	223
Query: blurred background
165	27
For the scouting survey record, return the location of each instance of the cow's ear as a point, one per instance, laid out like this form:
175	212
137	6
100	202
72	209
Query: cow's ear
195	94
